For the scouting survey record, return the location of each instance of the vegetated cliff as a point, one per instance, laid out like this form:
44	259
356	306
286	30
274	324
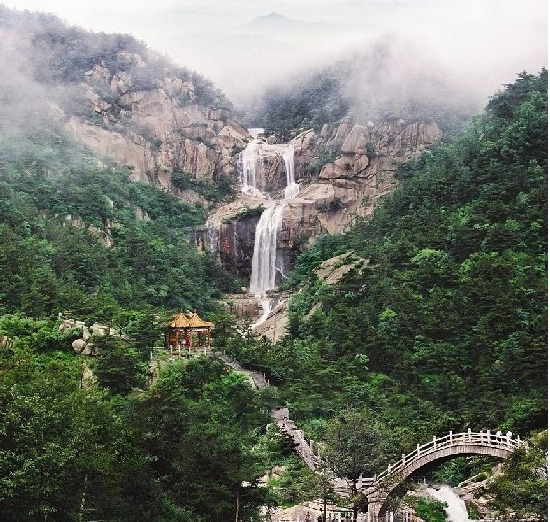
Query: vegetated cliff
125	102
345	168
174	129
162	132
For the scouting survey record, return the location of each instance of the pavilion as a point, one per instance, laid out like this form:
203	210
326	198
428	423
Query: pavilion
187	331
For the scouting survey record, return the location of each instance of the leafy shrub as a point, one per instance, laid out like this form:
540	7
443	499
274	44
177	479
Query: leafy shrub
431	510
313	169
249	212
334	205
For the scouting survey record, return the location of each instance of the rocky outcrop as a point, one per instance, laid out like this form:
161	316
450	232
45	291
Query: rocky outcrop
84	344
345	169
242	306
274	328
158	129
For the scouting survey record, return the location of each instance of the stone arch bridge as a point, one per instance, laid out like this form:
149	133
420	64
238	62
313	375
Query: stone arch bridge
378	488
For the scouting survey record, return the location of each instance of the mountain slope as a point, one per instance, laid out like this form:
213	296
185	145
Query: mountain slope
441	321
123	101
80	232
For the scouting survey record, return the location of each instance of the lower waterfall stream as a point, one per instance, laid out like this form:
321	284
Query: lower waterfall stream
264	258
456	508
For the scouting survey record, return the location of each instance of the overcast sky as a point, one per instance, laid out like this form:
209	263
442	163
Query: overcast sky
484	42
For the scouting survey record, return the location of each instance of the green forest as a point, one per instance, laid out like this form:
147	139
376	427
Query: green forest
442	328
441	325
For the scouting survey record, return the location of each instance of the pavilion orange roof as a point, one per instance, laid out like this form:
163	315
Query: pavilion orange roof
189	321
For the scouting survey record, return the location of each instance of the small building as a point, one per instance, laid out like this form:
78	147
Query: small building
188	332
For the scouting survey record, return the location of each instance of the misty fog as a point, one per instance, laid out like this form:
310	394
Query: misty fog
245	46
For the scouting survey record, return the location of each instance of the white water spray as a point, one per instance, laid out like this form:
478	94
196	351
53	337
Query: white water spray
456	508
292	188
264	269
246	164
265	250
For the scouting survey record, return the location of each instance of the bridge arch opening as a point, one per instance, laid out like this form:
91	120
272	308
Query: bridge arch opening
379	488
391	502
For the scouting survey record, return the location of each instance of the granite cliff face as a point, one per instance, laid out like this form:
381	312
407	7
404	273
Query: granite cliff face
342	170
156	129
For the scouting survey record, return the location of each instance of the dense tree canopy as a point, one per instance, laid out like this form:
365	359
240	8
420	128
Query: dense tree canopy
72	240
445	325
73	449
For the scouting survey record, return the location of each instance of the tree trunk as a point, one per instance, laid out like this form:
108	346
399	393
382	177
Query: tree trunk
237	510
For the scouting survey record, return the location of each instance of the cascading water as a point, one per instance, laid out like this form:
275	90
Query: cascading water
456	508
265	250
246	164
292	188
264	266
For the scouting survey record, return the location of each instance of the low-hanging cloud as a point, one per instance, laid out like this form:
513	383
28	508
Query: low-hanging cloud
480	44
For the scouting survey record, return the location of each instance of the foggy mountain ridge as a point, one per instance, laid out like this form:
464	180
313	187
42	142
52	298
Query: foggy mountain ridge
366	75
281	25
389	78
275	21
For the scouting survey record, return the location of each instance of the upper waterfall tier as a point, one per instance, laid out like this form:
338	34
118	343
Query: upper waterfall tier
265	263
292	188
267	169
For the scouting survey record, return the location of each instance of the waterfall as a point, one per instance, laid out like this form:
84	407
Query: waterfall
255	131
456	508
265	239
265	250
292	188
246	165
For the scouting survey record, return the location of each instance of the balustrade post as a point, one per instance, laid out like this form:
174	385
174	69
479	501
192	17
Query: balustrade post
469	434
403	458
450	438
489	436
435	442
418	450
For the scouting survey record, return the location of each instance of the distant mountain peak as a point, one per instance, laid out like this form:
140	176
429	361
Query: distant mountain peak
275	15
275	21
